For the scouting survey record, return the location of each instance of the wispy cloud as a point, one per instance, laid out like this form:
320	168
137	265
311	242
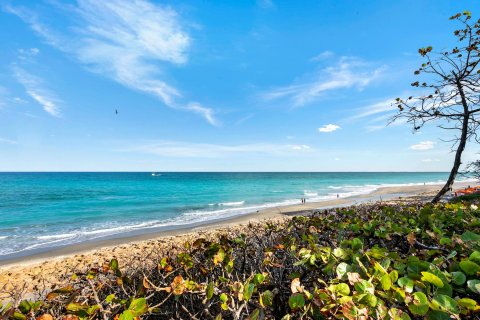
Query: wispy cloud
424	145
266	4
374	109
36	89
430	160
7	141
323	55
130	42
347	73
329	128
204	150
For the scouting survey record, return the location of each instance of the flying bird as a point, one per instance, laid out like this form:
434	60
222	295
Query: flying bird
116	111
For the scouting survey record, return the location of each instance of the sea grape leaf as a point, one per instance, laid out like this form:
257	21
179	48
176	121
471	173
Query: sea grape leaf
475	257
470	236
386	282
210	290
469	267
138	307
474	285
248	291
266	298
445	303
342	269
342	289
296	301
458	278
419	305
467	303
366	299
364	286
407	283
433	279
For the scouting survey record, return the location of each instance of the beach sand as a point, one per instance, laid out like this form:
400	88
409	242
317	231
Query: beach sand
42	272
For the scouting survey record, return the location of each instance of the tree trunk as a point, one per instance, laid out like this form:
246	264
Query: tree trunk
460	148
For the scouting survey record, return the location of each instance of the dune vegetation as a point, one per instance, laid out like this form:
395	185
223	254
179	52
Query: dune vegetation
394	261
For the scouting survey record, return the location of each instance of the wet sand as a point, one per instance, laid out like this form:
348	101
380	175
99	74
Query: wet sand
41	272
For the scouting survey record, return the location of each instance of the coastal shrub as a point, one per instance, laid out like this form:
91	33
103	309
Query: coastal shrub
392	262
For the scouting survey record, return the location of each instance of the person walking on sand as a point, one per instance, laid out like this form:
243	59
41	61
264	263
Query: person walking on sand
338	195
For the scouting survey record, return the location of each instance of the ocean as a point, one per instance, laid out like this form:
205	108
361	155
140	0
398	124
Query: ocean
41	211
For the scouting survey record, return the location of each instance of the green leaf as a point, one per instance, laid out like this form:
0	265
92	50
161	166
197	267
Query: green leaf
469	267
445	303
210	290
467	303
433	279
257	314
475	257
357	244
470	236
266	298
127	315
386	282
223	299
342	270
24	306
258	278
438	315
18	316
138	307
393	276
474	285
364	286
407	283
110	298
366	299
458	278
248	291
396	314
340	253
114	264
342	289
419	305
296	301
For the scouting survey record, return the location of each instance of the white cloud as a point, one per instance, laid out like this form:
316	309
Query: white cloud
424	145
300	147
384	106
7	141
322	56
27	53
347	73
266	4
207	113
430	160
205	150
36	89
127	41
329	128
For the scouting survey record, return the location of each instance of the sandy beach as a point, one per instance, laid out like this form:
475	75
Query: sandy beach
41	272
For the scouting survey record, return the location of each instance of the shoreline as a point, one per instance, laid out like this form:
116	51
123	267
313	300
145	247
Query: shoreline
54	266
380	194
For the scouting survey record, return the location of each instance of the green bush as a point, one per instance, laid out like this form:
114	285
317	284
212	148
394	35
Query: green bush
368	262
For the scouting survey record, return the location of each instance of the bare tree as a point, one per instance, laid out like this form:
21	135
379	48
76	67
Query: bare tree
450	93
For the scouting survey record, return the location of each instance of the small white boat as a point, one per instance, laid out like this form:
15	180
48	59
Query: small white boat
154	174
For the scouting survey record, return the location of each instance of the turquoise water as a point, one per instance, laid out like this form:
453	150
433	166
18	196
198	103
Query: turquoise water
40	211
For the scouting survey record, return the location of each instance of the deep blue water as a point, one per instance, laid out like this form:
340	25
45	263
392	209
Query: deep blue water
44	210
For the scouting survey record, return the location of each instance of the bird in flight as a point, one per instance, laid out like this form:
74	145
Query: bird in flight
116	111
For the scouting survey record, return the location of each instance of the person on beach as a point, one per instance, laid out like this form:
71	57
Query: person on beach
338	195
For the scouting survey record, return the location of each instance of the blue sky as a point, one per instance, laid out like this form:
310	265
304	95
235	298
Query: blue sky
216	86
